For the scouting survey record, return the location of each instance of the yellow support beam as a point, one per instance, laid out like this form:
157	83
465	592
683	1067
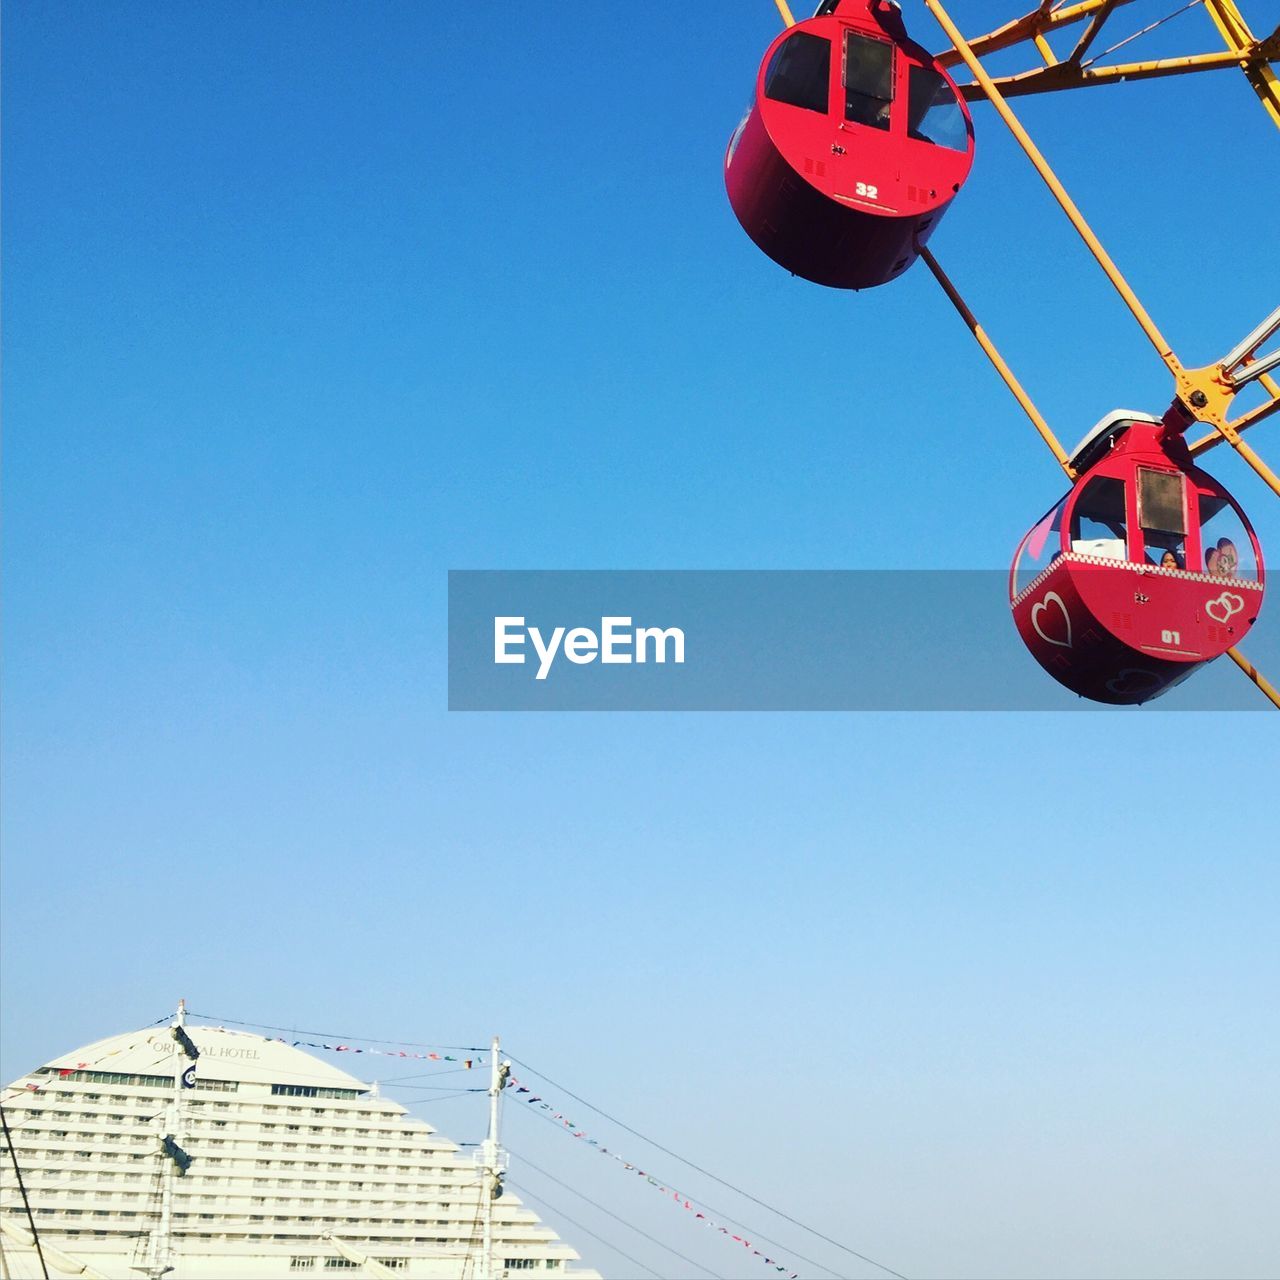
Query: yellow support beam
1254	416
1006	374
1148	326
1230	432
1269	690
1067	75
1268	476
784	11
1091	32
1203	393
1045	50
1253	58
1243	423
1040	22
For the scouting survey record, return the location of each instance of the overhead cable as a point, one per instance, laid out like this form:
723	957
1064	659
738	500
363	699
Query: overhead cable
559	1213
333	1035
688	1202
708	1174
639	1231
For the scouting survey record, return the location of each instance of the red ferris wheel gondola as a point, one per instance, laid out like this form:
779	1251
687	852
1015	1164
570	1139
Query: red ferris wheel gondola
1145	571
855	144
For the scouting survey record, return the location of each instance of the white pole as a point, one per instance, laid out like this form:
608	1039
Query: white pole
490	1176
160	1264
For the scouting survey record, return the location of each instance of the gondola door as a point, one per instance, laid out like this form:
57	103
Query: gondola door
864	88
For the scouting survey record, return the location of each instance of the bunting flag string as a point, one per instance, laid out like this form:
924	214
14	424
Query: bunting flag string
30	1086
474	1051
464	1062
467	1063
535	1101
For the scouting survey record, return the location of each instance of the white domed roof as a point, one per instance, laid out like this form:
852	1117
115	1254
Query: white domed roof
224	1055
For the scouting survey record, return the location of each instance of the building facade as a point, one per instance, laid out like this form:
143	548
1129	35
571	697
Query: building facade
296	1169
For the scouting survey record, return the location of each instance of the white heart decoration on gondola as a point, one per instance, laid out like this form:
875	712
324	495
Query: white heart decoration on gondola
1041	607
1225	606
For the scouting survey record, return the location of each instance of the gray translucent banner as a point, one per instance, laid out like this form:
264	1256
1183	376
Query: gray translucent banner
792	640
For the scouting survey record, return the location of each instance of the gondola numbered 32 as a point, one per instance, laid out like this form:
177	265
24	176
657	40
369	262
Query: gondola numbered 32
1144	572
856	143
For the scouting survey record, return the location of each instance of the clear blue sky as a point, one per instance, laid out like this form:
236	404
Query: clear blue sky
308	304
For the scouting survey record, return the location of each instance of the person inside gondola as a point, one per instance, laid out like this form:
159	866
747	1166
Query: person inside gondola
868	80
1170	560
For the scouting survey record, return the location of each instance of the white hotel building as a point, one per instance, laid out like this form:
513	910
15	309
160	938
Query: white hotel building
297	1170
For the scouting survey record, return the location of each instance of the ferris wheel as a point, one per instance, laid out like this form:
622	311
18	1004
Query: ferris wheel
856	143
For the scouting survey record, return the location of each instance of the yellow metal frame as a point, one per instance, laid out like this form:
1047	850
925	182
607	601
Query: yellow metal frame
1268	689
1066	75
1006	374
1041	22
1254	55
1244	50
1201	394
